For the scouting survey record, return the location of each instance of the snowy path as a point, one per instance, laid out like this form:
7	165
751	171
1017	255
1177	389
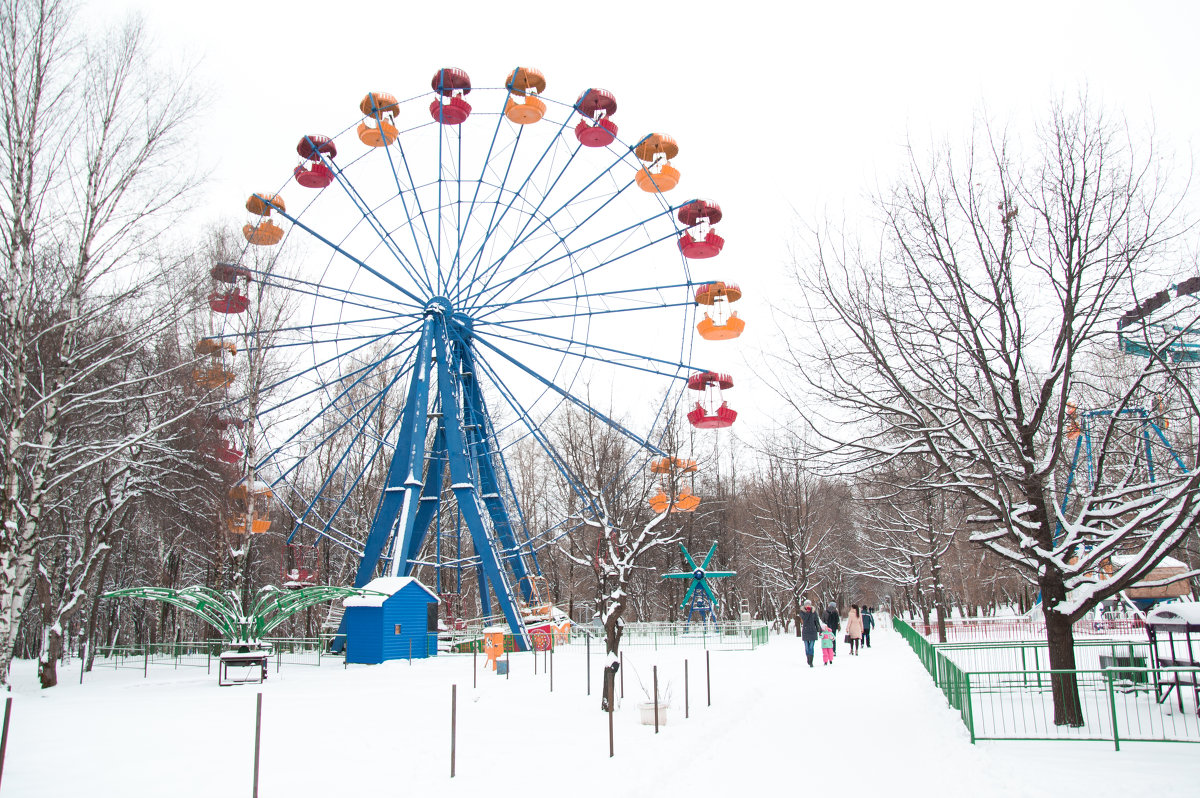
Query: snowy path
870	725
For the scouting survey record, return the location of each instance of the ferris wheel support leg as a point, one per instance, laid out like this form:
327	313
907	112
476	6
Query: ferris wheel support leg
400	496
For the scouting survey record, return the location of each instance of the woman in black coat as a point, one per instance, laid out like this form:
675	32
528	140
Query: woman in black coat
810	630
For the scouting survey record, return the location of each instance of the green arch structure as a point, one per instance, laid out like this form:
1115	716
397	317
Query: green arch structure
223	608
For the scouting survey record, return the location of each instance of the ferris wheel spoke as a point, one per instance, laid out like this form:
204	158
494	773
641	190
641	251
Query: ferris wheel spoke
382	394
514	323
575	400
519	193
574	345
569	255
369	215
319	386
420	212
538	434
341	251
591	295
288	282
522	238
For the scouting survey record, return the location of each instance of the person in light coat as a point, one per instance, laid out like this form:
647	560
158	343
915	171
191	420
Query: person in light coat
854	629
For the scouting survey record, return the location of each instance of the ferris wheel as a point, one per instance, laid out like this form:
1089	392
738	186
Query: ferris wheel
473	263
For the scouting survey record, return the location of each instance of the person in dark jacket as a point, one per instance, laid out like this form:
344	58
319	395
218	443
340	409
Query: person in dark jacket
810	630
834	622
868	619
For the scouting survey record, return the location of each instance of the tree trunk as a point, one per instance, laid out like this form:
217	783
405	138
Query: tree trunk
1061	641
49	656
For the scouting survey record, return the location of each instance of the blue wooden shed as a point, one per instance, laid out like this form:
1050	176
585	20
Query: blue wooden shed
399	624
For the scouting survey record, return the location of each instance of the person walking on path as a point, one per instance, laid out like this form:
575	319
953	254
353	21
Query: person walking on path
868	619
854	629
834	622
827	639
810	629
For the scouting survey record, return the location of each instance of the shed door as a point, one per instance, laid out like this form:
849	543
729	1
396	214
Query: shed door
431	618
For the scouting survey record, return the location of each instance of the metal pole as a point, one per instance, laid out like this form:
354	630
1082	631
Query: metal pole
685	688
656	699
4	734
552	670
257	741
622	669
146	662
708	676
610	729
589	666
474	667
507	667
410	651
453	724
83	662
533	651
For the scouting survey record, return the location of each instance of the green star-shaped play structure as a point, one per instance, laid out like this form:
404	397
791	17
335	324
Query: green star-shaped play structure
702	601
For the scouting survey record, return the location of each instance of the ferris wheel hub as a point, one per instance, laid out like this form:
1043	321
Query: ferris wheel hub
439	306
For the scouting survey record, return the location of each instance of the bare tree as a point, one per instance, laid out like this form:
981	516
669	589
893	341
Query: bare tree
77	214
959	337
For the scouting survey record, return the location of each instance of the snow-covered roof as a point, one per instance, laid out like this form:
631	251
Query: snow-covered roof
389	586
1121	560
1174	615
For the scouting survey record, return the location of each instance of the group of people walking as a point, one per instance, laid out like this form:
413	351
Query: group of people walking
814	627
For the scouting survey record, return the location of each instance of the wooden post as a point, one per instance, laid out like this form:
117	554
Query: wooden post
656	699
685	688
453	724
610	730
708	676
589	666
257	740
474	666
146	662
622	658
4	734
533	650
83	662
551	670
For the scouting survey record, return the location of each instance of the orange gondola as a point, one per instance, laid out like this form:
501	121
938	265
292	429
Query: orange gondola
523	106
379	127
656	151
264	232
213	377
726	324
209	346
250	509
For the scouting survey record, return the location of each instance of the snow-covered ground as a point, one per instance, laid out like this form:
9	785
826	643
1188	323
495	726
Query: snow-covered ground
870	725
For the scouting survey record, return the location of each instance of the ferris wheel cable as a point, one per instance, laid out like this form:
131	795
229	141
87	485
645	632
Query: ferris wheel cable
583	272
534	430
536	264
585	356
336	248
512	323
385	237
316	294
306	327
416	199
320	385
280	276
573	399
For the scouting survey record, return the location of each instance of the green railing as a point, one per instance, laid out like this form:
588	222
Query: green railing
726	636
1123	701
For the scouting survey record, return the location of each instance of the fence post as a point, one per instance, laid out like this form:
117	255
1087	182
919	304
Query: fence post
4	734
970	707
453	724
551	670
146	662
708	676
589	666
685	688
257	740
474	667
1112	707
610	728
656	699
622	670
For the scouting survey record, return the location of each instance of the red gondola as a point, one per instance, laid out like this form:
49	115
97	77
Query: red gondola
232	302
711	411
451	84
299	566
316	149
596	129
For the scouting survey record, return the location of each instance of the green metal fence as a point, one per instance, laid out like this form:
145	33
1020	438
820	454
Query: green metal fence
1122	701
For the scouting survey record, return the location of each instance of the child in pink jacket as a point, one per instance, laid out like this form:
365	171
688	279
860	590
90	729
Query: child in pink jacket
827	646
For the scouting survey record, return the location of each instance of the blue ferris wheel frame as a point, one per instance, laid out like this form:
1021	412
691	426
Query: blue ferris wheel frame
445	425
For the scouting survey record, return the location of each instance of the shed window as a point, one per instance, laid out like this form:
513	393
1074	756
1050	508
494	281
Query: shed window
397	629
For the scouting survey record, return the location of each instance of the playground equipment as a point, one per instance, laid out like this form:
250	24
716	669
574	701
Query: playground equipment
700	598
509	253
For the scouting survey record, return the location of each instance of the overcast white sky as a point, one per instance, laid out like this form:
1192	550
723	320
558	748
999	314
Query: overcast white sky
779	108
